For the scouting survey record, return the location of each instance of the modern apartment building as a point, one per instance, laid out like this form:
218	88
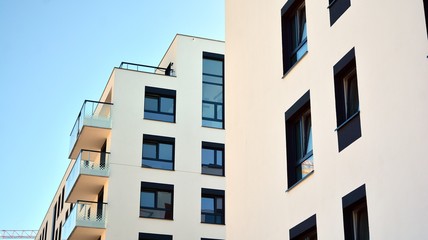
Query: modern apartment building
147	159
326	129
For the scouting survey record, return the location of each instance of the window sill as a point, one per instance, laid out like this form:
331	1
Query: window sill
157	218
347	121
212	127
292	67
161	169
212	175
298	182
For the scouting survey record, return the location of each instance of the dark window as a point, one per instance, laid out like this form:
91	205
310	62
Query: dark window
426	15
294	38
347	103
159	104
212	90
158	152
306	230
156	200
213	158
151	236
212	206
355	216
337	8
299	140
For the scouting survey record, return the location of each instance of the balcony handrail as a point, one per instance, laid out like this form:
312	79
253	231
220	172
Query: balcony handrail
81	109
94	151
84	201
168	70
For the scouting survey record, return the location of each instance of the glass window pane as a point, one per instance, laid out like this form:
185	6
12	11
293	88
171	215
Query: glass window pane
220	157
213	124
167	105
307	167
208	110
207	205
219	112
212	79
157	164
150	103
351	94
165	151
159	116
147	199
219	204
212	93
149	150
308	133
164	200
211	66
207	156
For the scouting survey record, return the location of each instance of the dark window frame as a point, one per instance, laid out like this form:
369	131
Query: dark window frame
289	34
215	57
355	200
425	3
337	8
301	230
348	124
294	161
156	140
216	147
153	236
158	94
156	188
214	194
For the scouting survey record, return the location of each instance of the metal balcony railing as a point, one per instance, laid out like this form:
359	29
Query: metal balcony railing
85	215
92	113
88	162
168	71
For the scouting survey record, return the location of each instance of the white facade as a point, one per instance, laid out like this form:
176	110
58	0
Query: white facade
124	133
391	48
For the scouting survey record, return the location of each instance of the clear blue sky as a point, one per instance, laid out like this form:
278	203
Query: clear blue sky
54	54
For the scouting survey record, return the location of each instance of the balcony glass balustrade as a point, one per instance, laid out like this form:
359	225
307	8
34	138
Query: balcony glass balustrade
91	164
86	219
92	114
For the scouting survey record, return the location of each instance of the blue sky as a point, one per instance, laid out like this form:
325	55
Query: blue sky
54	54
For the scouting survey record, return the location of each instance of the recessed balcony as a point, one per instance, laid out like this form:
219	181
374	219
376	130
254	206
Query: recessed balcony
88	176
87	220
92	127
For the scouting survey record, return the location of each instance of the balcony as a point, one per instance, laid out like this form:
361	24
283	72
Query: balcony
87	220
88	176
168	71
91	128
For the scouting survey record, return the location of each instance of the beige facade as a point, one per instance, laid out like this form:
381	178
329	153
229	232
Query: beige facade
391	48
112	134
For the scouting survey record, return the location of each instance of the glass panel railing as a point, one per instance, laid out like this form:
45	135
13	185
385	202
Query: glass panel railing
85	214
88	163
92	113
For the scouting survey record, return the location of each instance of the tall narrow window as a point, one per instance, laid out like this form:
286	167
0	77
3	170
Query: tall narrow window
159	104
337	8
158	152
355	216
156	200
212	206
299	140
294	33
306	230
212	90
213	158
347	101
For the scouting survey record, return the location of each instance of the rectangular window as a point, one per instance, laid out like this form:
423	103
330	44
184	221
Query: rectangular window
156	200
158	152
152	236
294	37
213	158
306	230
347	102
337	8
159	104
355	216
212	206
299	140
212	90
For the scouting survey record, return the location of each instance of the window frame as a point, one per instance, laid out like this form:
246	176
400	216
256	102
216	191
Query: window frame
301	230
294	161
289	14
216	119
213	194
157	188
157	140
355	200
159	94
215	147
337	8
153	236
348	124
